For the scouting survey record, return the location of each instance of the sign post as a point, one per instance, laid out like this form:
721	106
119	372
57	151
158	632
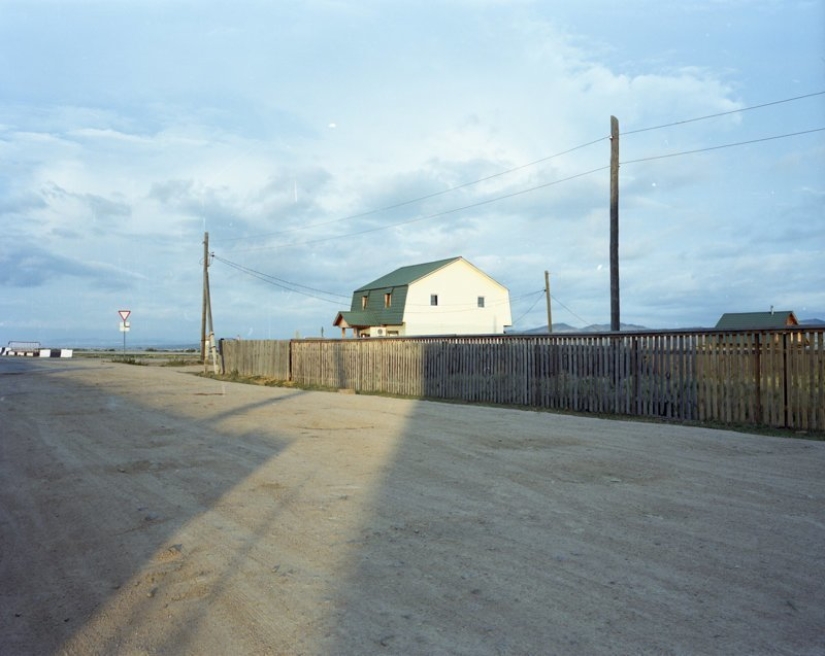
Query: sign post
124	325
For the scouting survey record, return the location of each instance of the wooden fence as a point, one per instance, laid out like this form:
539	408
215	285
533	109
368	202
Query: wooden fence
265	358
770	378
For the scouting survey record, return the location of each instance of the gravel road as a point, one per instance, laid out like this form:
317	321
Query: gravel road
146	510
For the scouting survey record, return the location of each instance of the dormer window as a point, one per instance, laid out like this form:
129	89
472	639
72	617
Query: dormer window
364	302
388	300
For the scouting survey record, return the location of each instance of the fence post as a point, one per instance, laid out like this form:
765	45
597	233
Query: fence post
785	376
636	376
757	375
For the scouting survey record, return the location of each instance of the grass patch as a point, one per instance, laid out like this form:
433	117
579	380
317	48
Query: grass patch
147	357
129	360
178	362
235	377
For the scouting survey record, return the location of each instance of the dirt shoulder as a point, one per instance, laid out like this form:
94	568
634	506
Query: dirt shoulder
145	510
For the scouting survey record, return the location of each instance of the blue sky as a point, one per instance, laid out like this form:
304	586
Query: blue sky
325	143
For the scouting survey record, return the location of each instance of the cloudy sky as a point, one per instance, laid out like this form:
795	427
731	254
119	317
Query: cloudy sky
324	143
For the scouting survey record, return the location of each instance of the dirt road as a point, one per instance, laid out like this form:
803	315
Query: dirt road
144	510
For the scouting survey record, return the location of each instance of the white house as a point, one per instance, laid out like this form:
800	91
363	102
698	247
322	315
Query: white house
447	297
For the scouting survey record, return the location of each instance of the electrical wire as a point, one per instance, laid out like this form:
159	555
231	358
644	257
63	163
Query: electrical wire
295	287
730	145
717	115
530	309
279	282
496	199
428	216
419	199
584	321
535	162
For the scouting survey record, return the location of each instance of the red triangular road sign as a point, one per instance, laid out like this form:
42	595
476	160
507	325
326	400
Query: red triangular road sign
124	314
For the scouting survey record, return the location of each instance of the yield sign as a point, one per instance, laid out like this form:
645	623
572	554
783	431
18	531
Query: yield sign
124	314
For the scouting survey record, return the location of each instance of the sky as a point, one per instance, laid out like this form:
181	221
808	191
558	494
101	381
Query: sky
322	144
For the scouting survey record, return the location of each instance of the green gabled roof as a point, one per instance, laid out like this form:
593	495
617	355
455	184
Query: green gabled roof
406	275
396	284
376	314
756	320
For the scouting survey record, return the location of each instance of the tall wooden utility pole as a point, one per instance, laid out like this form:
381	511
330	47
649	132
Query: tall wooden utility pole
615	322
547	292
207	327
205	294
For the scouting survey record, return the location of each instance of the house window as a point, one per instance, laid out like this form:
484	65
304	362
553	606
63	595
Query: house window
388	299
433	299
364	302
481	301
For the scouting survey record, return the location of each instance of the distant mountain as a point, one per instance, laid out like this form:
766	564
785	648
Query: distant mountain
542	330
560	328
605	328
567	328
625	327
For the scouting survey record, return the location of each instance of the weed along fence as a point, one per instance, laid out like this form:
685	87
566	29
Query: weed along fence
770	378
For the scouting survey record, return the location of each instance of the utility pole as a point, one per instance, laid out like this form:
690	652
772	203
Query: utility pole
207	327
547	292
205	294
210	338
615	322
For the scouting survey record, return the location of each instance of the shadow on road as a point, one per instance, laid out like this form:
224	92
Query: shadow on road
96	482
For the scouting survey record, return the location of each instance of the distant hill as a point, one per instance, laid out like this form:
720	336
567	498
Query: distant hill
626	327
605	328
567	328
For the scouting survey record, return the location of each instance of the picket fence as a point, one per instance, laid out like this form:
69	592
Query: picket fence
764	378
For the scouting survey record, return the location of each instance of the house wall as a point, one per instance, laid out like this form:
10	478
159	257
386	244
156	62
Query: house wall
458	287
383	331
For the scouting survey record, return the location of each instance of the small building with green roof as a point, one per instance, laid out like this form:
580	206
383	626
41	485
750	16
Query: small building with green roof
444	297
757	320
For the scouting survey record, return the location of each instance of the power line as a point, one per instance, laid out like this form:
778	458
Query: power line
529	164
279	282
536	187
730	145
530	309
521	192
296	287
421	198
428	216
527	295
584	321
717	115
